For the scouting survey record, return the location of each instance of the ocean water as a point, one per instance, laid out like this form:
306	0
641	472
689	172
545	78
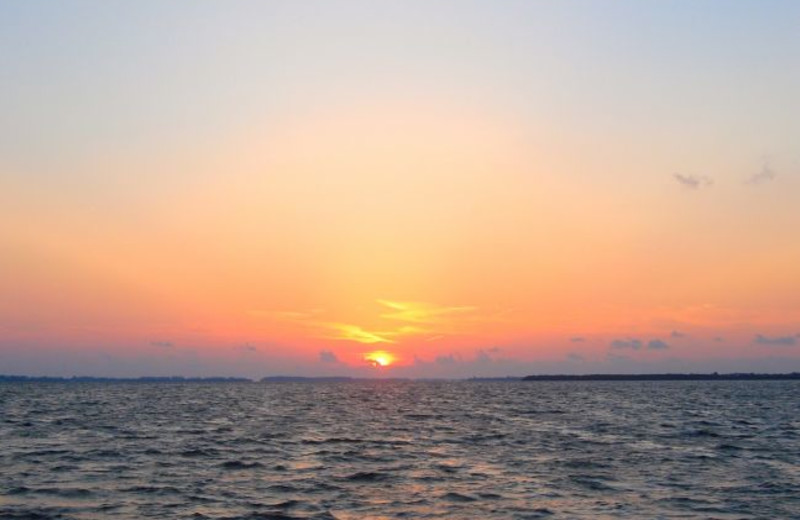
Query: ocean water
387	449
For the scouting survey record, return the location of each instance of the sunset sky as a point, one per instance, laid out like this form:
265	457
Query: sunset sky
445	188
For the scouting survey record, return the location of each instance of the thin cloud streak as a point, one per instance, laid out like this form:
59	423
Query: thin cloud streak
436	322
631	343
657	344
693	182
764	176
421	312
356	333
778	341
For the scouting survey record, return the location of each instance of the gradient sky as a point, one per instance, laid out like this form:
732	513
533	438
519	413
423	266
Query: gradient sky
474	188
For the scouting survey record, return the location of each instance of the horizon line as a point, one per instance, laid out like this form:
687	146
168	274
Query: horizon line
666	376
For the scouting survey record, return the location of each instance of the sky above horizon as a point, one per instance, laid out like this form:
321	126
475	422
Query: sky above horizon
449	189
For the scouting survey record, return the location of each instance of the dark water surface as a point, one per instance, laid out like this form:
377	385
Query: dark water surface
401	450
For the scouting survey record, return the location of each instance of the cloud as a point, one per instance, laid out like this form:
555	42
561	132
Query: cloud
657	344
484	356
247	347
286	316
60	362
326	356
449	359
764	176
421	312
693	182
575	357
355	333
417	319
162	344
778	341
677	334
577	339
429	322
333	330
631	343
719	339
636	344
350	332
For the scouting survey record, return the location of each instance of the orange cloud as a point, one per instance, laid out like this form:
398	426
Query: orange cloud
420	319
420	312
355	333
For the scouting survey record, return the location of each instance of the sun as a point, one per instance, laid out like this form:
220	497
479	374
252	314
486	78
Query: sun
379	358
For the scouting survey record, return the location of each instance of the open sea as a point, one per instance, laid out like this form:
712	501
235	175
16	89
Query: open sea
388	449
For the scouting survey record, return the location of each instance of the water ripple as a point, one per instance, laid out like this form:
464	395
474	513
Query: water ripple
383	449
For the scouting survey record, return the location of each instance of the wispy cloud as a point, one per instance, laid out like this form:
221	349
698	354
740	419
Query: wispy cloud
421	312
631	343
777	341
287	316
636	344
326	356
485	355
577	339
247	347
428	321
402	319
162	344
693	182
765	175
344	331
677	334
449	359
657	344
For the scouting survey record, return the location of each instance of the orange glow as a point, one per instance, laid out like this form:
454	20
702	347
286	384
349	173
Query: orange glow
379	358
331	233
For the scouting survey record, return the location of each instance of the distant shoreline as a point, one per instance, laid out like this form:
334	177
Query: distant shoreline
144	379
667	377
299	379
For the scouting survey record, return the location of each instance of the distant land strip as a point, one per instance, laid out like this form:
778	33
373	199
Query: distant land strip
665	377
91	379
